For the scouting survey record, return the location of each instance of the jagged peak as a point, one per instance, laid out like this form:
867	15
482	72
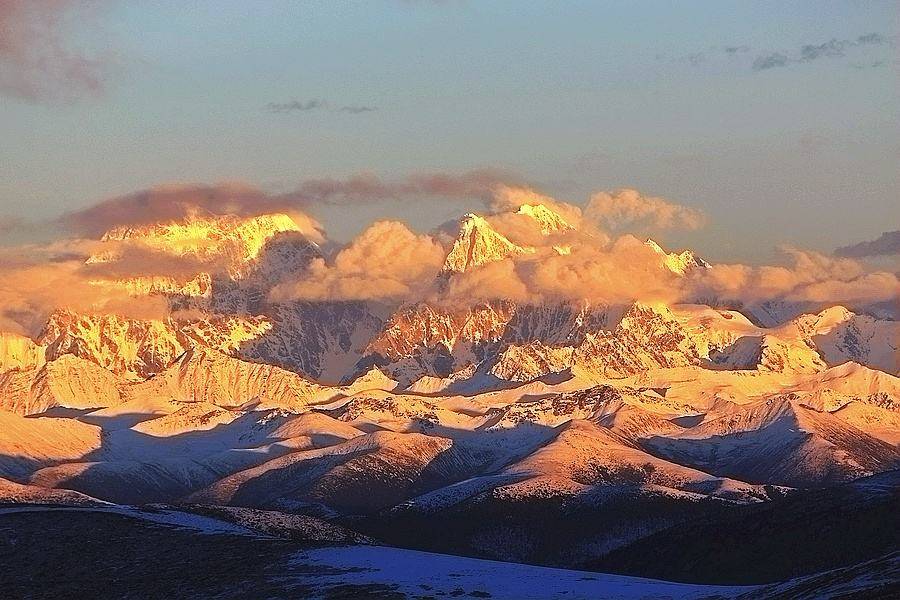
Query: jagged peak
678	263
654	246
64	316
549	220
780	355
478	243
640	308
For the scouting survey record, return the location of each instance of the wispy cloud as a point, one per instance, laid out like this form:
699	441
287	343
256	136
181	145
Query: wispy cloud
316	104
771	61
295	106
886	245
175	201
810	52
38	60
740	54
870	65
355	109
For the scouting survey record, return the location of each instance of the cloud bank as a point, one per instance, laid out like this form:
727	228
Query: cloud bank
387	261
627	208
588	253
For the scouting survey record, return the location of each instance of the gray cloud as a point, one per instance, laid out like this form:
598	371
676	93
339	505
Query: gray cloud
887	244
316	104
872	65
295	106
770	61
810	52
711	53
355	109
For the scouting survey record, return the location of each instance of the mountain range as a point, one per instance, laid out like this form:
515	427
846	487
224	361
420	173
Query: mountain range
437	405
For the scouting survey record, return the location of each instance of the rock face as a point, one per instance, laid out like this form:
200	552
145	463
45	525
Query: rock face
556	415
425	339
531	361
227	308
322	340
646	337
770	353
138	349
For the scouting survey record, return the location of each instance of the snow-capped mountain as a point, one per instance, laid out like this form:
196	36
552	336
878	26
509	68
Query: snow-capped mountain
431	406
548	220
238	241
678	262
477	244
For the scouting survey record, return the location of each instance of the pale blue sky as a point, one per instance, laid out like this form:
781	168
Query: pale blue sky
575	96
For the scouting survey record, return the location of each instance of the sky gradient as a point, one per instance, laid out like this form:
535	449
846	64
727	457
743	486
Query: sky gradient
778	120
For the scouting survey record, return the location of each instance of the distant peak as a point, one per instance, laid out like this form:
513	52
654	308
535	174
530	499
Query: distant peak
477	244
236	240
678	263
549	220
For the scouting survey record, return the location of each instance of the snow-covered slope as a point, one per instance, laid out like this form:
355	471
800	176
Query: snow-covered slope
368	472
549	220
585	454
242	396
406	570
29	443
215	378
782	442
19	352
841	336
68	382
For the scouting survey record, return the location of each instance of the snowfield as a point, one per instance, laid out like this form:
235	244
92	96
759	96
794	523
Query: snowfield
425	574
